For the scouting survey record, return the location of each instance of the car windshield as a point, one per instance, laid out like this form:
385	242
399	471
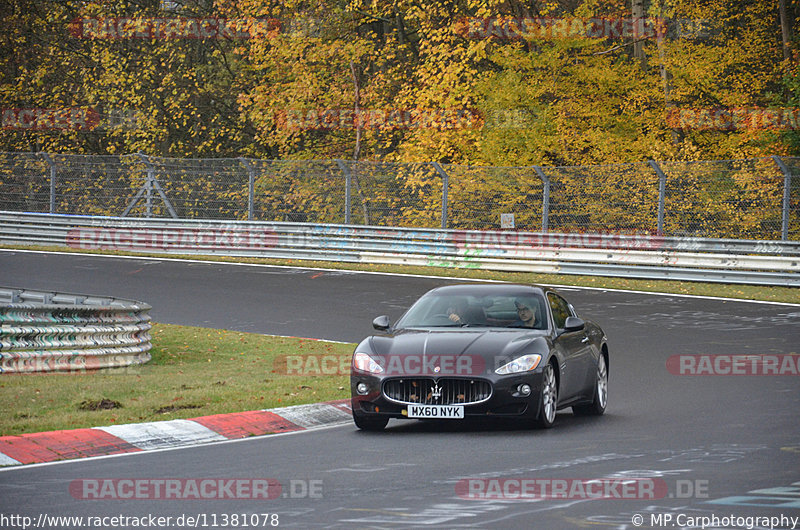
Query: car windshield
523	310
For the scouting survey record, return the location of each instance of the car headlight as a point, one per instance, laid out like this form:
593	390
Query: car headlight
364	363
525	363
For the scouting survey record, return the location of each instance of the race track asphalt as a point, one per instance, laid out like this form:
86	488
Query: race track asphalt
714	446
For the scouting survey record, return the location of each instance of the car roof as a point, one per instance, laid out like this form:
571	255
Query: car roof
483	289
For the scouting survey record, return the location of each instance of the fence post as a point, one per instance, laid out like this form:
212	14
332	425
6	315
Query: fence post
152	183
347	180
149	185
52	181
251	184
545	198
662	193
787	189
445	188
149	191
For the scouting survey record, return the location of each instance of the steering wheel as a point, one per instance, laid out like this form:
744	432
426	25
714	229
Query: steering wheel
446	317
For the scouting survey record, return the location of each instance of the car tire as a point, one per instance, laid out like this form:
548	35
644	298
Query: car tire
598	405
548	398
370	424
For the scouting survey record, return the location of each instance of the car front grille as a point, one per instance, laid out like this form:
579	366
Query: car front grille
443	391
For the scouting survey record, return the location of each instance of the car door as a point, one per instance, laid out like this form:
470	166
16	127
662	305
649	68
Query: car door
575	348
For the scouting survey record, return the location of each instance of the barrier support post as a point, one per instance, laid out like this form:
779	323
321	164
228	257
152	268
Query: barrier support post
787	189
662	193
52	181
445	188
251	185
347	182
545	197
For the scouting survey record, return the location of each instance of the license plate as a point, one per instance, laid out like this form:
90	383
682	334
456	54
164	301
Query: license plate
439	412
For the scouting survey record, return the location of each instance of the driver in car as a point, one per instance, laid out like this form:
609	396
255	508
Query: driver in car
457	312
527	314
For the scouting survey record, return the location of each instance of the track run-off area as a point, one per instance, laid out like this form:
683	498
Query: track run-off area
710	446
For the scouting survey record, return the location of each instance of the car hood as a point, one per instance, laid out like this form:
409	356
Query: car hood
464	352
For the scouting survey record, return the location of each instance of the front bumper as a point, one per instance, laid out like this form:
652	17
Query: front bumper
505	399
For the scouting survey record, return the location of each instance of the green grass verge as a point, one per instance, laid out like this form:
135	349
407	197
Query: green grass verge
194	372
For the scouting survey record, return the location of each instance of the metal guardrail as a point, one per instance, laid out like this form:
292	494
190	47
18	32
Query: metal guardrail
47	332
640	256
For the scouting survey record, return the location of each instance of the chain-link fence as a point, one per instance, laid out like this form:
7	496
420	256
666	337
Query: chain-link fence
741	199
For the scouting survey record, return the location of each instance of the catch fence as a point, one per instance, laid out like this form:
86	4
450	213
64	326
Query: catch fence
753	199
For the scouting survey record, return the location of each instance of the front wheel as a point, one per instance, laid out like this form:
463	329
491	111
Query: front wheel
548	399
370	424
598	406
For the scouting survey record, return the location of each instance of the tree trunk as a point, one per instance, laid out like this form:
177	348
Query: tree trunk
637	10
666	80
357	149
786	30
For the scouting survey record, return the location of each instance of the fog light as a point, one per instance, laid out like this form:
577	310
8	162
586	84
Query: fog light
524	389
362	388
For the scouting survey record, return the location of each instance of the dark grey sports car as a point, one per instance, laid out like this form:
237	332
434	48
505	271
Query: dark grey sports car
481	350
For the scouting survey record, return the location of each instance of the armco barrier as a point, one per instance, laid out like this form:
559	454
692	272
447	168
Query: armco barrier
636	256
44	332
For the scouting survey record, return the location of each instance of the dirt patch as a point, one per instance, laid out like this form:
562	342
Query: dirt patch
174	408
100	404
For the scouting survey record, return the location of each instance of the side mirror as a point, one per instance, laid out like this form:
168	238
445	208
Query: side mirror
381	323
574	324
